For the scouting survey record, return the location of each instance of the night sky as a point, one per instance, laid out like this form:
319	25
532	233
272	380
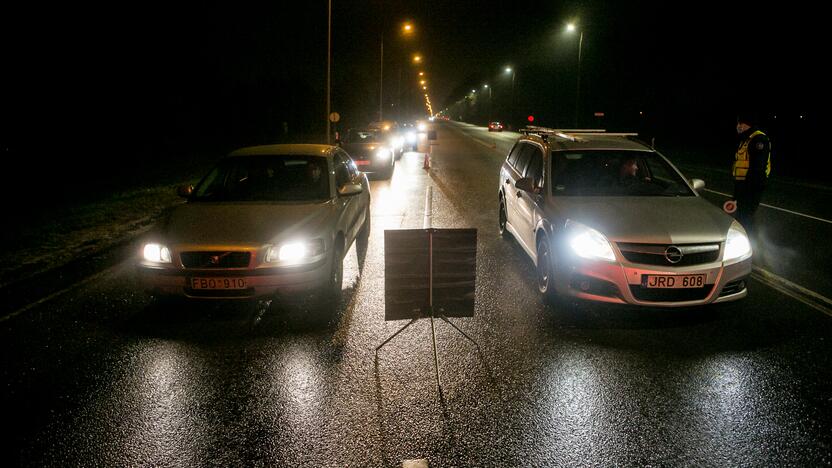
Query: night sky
105	95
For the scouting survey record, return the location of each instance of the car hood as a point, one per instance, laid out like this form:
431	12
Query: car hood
247	223
649	220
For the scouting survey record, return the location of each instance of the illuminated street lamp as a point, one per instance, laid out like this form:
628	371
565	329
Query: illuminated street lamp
571	28
421	73
407	31
417	58
485	86
513	72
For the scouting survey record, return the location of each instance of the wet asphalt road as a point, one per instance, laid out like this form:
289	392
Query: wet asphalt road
101	377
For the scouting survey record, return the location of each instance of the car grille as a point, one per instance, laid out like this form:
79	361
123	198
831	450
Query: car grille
670	295
654	254
215	259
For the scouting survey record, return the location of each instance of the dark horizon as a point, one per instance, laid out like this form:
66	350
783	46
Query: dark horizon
90	88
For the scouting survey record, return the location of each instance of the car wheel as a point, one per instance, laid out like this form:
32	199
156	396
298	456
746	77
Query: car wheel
364	232
545	279
503	220
332	292
388	171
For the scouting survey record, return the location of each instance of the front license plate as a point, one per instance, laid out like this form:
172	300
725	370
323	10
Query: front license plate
218	283
673	281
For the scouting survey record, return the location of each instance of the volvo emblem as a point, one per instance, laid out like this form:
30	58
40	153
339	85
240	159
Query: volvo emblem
673	254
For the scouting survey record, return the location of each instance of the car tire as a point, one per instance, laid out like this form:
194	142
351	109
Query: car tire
388	171
545	277
503	219
331	294
364	232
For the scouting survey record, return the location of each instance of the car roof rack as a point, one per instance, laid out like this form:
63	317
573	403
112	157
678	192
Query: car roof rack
574	134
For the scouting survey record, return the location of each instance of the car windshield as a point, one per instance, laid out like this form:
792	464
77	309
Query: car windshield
266	178
363	136
615	173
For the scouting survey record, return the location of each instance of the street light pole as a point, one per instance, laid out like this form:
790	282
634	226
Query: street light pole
513	71
328	68
578	87
381	80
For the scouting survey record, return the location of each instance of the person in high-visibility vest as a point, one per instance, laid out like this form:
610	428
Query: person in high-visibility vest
751	168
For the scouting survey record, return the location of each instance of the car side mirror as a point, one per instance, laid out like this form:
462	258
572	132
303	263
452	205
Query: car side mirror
698	184
431	135
348	190
526	184
185	191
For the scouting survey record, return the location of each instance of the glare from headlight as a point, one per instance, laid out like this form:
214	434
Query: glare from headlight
411	137
589	243
295	252
292	252
383	153
422	127
156	253
736	243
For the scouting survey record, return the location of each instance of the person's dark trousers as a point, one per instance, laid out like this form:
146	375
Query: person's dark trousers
748	199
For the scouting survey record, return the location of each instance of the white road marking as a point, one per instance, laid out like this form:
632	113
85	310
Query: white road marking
420	463
58	293
793	290
776	208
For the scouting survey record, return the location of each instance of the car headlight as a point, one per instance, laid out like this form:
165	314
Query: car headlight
422	127
383	153
737	244
588	243
411	137
157	253
295	252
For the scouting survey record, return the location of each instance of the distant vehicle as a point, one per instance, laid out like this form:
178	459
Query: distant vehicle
393	133
495	127
414	132
607	218
370	151
265	220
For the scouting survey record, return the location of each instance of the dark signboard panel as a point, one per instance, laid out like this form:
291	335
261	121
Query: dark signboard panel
454	271
407	279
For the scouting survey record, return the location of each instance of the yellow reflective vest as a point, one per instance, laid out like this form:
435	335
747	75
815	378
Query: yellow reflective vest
739	170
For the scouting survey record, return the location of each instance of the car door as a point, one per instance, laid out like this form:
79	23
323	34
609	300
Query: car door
351	205
527	204
508	177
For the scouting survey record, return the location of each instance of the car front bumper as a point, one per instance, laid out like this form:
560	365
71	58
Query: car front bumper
621	283
263	281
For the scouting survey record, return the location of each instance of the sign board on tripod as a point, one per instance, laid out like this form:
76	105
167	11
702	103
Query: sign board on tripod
429	271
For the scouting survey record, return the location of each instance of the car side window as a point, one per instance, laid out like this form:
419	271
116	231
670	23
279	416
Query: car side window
342	173
512	156
534	169
353	171
523	159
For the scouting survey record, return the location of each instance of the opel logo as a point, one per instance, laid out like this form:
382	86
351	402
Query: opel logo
673	254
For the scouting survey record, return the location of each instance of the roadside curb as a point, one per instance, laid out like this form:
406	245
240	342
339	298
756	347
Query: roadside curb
795	291
15	297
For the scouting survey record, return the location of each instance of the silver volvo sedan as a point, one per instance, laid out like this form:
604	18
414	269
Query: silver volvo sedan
265	220
604	217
